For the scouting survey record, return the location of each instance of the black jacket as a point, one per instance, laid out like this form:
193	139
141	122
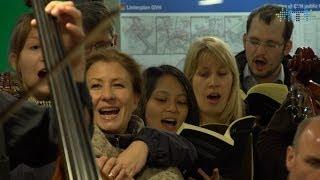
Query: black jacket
30	132
165	149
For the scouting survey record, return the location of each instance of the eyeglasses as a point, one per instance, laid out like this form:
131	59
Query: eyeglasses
99	45
267	44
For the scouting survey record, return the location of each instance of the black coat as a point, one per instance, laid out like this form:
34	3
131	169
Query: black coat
31	131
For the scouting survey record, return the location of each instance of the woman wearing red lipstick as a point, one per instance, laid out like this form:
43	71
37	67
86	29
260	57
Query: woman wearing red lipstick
212	71
167	100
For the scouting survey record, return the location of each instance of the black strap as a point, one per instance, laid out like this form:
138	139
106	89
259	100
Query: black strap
4	160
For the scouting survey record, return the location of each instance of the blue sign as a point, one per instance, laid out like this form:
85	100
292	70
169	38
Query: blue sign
189	6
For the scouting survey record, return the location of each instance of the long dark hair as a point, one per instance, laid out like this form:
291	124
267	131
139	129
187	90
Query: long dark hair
150	78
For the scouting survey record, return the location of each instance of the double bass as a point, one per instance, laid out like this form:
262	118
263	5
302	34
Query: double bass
304	93
75	144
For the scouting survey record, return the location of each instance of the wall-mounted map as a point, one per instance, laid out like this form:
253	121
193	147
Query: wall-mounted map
160	31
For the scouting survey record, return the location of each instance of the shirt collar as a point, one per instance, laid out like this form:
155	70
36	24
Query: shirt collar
250	81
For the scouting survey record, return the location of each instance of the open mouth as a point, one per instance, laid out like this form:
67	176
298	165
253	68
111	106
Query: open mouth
42	73
214	97
260	63
169	122
109	113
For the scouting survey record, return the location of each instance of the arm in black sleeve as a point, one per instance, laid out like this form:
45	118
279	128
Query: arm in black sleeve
167	149
272	145
27	135
31	132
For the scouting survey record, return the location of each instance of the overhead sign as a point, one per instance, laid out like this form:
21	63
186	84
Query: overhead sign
168	6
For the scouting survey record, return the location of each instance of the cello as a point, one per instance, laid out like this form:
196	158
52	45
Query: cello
304	93
75	144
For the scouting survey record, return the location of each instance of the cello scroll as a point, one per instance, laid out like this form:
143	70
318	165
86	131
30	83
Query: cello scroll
304	94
